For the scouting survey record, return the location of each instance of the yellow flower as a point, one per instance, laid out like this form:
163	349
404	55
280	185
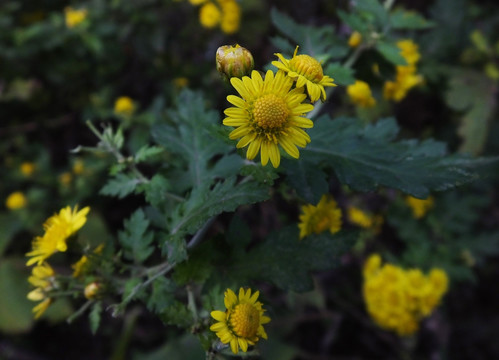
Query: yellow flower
409	50
78	167
234	61
360	94
124	106
316	219
27	168
58	228
306	71
180	82
268	114
209	15
231	16
355	39
42	277
65	178
367	221
242	323
74	17
197	2
92	290
419	207
406	79
16	201
372	265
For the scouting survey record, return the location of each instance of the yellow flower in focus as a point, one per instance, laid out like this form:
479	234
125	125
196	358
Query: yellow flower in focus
242	323
16	201
316	219
409	50
306	71
65	178
355	39
360	94
27	168
231	16
42	278
268	114
58	228
74	17
398	299
124	105
419	207
209	15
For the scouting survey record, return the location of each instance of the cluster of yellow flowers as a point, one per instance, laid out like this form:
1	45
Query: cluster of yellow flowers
58	229
406	76
74	17
226	13
399	299
270	113
241	324
326	215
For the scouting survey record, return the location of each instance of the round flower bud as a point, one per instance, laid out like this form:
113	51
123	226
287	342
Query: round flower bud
234	61
92	290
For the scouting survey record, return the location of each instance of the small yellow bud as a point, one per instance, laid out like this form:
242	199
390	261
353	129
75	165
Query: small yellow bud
355	39
92	290
234	61
16	201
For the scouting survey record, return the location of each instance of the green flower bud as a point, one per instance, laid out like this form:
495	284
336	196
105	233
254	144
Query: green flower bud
234	61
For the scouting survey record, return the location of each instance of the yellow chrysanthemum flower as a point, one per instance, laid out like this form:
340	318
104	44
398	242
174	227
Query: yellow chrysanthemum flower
306	71
58	228
27	168
231	16
399	299
210	15
419	207
242	323
16	201
124	105
316	219
42	278
360	94
74	17
268	114
355	39
409	50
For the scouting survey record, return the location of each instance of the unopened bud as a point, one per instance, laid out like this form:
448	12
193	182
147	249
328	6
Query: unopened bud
234	61
92	290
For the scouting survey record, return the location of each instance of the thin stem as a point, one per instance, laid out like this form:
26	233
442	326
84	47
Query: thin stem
196	239
191	303
80	311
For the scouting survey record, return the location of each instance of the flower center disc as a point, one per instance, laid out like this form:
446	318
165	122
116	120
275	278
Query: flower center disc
245	320
307	66
270	111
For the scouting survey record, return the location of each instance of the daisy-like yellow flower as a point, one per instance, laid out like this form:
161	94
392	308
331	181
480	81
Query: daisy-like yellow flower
42	278
306	71
124	105
268	114
74	17
355	39
58	228
242	323
360	94
419	207
316	219
16	201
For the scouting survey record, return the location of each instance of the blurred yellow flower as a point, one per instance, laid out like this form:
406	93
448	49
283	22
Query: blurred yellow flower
197	2
27	168
124	106
78	167
306	71
42	277
316	219
15	201
363	219
58	228
399	299
210	15
355	39
241	325
74	17
65	178
409	50
92	290
419	207
180	82
360	94
231	16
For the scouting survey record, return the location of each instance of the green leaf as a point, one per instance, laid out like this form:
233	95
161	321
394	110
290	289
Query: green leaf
472	92
156	190
9	225
309	181
121	185
367	157
136	240
391	52
162	295
95	317
314	41
287	261
341	75
374	8
263	174
146	151
176	314
402	19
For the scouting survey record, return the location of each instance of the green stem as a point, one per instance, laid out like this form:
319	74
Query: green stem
80	311
191	303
